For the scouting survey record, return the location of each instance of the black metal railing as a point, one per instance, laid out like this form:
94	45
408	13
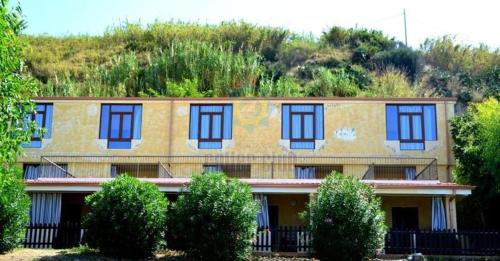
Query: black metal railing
242	166
443	242
282	239
63	235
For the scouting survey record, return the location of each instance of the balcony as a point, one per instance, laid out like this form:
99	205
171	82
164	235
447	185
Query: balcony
234	166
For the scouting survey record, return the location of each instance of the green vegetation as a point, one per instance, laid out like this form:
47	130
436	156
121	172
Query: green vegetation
127	218
15	92
346	221
477	148
214	219
241	59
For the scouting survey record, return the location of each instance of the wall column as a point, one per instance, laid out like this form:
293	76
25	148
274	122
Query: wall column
451	212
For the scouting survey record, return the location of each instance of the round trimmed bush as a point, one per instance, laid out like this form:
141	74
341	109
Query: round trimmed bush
215	219
126	218
14	209
346	221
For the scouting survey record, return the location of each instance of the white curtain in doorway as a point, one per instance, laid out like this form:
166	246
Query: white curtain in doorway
45	208
31	171
53	171
438	214
410	173
263	215
305	172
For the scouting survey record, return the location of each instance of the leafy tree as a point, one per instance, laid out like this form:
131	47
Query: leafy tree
477	145
346	221
214	219
126	218
15	92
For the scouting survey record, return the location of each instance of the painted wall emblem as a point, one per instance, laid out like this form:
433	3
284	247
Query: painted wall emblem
348	134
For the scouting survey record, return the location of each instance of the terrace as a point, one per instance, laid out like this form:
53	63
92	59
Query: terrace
234	166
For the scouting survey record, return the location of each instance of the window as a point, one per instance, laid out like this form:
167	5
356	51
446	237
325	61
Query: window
210	125
412	125
302	124
43	119
316	172
120	123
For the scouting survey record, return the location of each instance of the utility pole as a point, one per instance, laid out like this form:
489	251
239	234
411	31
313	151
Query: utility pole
406	35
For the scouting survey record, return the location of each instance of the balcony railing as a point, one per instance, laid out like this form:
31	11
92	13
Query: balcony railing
239	166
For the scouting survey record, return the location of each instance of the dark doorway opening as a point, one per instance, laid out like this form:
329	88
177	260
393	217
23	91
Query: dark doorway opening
405	218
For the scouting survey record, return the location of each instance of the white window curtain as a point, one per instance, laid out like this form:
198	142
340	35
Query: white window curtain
45	208
410	173
263	215
212	168
53	171
31	171
438	214
113	171
305	172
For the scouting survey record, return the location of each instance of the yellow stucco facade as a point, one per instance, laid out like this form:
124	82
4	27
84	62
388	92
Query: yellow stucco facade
354	139
256	130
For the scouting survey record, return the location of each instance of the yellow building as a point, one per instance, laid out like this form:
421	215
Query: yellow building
282	147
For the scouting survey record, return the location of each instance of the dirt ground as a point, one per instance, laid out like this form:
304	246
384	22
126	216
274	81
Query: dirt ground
78	254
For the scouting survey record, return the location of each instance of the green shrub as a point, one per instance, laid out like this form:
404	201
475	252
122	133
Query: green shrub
404	59
346	221
126	218
215	219
337	82
14	209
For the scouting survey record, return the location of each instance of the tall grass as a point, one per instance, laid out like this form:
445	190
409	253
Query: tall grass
215	69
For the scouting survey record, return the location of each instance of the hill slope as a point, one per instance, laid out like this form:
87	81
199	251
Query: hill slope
241	59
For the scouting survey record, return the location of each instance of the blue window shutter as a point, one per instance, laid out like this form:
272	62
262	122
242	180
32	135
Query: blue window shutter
103	134
48	121
319	122
228	122
411	146
430	122
285	122
137	121
193	125
391	119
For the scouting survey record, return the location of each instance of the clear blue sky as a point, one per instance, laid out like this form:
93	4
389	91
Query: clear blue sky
471	22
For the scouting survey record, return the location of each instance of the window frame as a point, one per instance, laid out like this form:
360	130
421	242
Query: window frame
410	119
199	137
108	137
302	123
44	119
210	125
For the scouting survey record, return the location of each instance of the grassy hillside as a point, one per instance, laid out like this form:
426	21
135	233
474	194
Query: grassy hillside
241	59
